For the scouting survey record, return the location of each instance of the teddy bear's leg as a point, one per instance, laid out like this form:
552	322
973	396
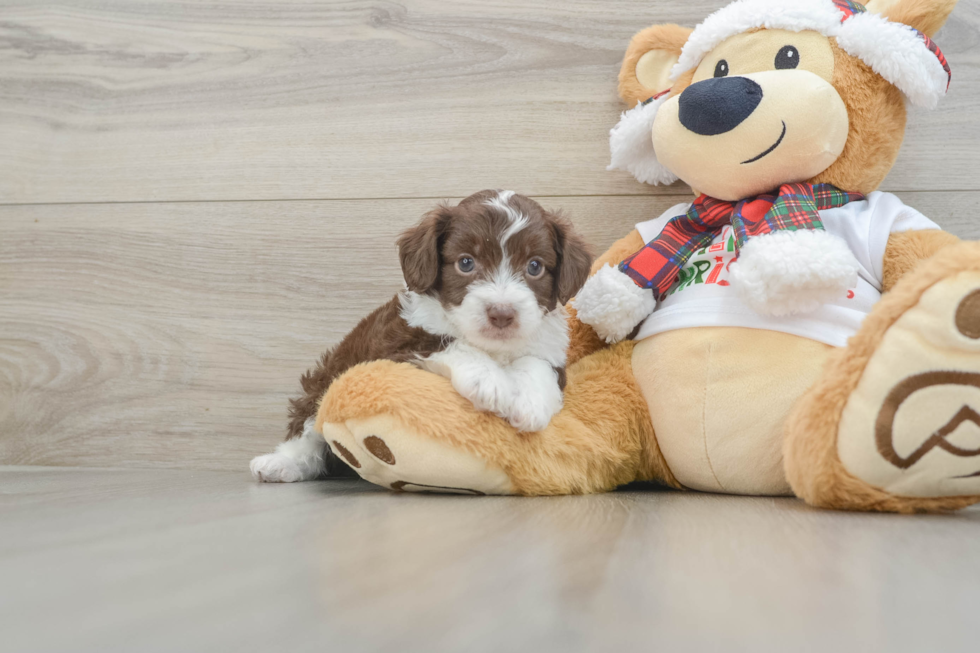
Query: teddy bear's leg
406	429
894	422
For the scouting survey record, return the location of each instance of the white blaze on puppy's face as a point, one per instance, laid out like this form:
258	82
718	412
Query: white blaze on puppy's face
500	311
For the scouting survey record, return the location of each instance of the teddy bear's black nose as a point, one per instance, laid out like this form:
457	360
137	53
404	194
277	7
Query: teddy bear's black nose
718	105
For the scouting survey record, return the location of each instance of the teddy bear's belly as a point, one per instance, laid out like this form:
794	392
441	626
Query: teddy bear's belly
718	399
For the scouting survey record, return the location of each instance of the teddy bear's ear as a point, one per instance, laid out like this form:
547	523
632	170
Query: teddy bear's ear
927	16
646	67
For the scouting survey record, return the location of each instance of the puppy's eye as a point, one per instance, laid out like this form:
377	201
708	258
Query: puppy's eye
465	264
721	69
535	268
787	57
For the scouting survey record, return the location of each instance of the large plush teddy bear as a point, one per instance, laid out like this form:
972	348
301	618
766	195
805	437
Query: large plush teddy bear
790	331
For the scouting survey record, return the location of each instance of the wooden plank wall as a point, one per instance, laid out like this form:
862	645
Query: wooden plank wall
197	198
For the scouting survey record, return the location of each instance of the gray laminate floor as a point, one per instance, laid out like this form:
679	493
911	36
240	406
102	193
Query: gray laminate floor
130	560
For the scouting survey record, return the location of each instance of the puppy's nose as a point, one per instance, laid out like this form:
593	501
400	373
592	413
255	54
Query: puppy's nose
718	105
501	315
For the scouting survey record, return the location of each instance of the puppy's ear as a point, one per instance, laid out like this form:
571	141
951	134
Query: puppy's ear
418	250
574	258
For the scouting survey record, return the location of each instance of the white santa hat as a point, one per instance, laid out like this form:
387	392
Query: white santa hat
902	55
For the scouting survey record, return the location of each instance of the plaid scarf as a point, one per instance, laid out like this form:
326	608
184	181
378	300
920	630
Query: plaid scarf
794	206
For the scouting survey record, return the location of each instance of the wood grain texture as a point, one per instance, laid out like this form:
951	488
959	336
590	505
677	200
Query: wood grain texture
146	321
171	334
170	560
246	99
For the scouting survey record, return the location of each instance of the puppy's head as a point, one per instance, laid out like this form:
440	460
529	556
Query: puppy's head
495	266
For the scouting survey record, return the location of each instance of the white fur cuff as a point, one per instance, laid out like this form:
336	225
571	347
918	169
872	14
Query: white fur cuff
631	145
612	304
791	272
897	53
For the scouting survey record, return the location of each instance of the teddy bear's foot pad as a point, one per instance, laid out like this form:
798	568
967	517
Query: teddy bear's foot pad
919	399
385	453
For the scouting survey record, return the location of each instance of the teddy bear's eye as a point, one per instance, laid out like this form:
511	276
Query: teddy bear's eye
721	68
787	57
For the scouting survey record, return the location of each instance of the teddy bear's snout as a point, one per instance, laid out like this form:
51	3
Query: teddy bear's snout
718	105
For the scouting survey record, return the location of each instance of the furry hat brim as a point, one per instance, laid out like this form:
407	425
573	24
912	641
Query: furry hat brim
902	55
631	144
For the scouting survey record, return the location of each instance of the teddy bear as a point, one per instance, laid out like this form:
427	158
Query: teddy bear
790	331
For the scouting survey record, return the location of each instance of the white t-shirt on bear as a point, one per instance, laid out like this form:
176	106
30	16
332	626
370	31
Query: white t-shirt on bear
703	296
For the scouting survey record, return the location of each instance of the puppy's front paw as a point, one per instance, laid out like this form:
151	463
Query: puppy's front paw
483	390
433	364
275	468
531	414
536	397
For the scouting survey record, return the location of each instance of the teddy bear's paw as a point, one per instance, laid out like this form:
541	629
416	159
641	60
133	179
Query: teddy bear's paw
792	272
912	424
383	451
612	304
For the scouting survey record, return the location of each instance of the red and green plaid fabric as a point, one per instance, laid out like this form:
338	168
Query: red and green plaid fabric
794	206
849	8
939	55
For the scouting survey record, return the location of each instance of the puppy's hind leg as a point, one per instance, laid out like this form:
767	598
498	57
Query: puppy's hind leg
304	455
298	459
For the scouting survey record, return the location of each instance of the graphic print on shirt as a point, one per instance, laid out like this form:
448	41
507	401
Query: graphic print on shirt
696	269
710	265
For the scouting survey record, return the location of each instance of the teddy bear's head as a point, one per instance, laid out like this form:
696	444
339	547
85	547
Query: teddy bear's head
769	92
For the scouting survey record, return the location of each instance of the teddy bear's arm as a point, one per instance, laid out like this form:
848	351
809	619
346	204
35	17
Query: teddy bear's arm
906	248
583	339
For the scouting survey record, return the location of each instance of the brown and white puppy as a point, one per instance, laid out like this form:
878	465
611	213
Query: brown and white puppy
486	283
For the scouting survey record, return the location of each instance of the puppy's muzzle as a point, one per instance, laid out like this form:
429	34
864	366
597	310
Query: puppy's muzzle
501	316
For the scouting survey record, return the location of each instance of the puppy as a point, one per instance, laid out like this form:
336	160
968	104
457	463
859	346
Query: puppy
486	283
